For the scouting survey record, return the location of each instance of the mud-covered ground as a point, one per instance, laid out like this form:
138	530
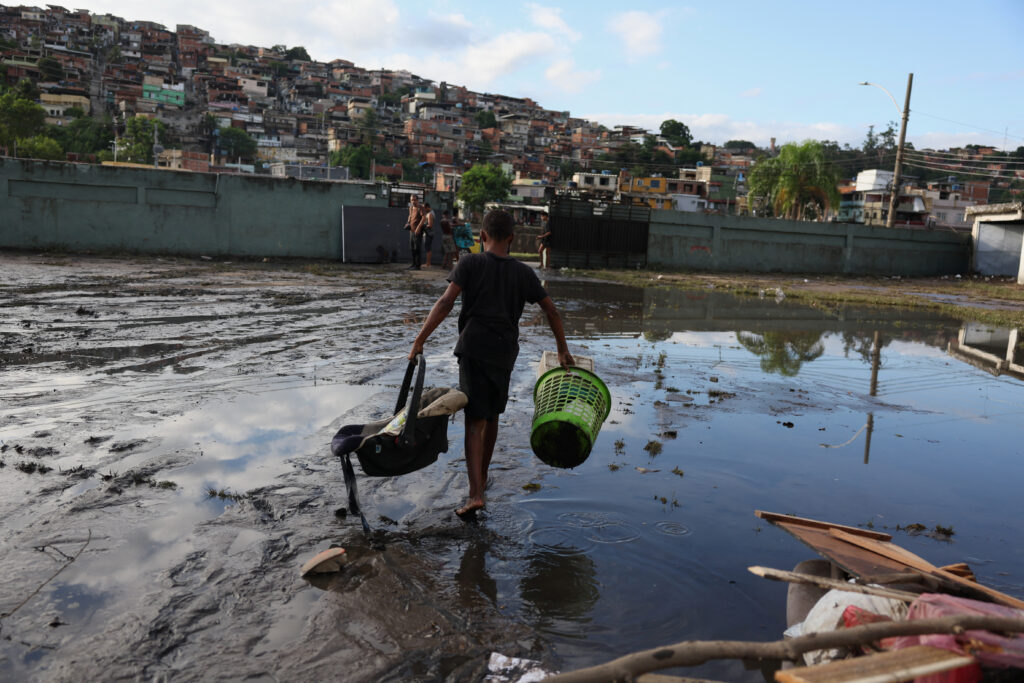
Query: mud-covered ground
165	426
164	430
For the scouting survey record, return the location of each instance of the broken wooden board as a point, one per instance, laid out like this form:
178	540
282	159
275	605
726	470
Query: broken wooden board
848	557
885	667
898	554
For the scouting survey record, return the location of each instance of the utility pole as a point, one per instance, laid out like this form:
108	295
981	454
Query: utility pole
894	196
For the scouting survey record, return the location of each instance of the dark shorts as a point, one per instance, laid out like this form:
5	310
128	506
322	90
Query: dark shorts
428	242
486	386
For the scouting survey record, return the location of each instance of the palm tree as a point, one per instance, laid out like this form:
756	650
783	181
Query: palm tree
799	181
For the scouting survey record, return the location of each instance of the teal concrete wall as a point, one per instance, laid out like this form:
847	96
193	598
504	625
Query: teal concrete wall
57	205
734	243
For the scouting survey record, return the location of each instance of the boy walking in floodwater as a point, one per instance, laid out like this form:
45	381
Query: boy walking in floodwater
494	288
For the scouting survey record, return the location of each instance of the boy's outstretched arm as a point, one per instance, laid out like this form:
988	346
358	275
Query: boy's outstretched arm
442	307
555	322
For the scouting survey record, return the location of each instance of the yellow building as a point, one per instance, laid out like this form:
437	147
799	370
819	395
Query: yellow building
56	106
651	191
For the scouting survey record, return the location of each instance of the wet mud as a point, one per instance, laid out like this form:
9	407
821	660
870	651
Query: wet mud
164	431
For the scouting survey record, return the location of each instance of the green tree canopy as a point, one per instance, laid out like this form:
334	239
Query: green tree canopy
798	183
298	52
739	144
484	183
27	90
358	159
237	143
50	69
485	119
39	147
84	135
676	132
137	143
19	117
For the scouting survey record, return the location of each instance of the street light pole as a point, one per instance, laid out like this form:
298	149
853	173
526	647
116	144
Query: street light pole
905	114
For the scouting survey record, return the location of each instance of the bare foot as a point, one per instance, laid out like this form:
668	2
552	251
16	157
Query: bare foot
468	511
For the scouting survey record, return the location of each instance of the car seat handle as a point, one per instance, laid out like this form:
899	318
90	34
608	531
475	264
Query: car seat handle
408	436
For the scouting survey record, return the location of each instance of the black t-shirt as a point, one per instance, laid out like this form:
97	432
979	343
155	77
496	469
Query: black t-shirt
494	291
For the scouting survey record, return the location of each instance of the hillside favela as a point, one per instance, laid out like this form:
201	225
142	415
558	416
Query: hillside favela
319	368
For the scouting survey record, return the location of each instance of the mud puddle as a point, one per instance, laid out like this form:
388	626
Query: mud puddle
191	475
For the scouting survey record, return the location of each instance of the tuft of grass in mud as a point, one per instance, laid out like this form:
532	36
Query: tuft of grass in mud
678	472
620	446
322	269
532	486
32	467
224	494
653	447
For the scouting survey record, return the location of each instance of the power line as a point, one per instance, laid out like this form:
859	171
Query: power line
961	154
980	166
990	174
969	125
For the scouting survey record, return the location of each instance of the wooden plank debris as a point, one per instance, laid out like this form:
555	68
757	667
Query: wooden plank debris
913	561
886	667
774	517
824	582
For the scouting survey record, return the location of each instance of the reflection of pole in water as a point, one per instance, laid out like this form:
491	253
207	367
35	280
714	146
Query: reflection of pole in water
876	356
867	441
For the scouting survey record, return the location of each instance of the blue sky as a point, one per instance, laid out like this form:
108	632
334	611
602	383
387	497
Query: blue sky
750	70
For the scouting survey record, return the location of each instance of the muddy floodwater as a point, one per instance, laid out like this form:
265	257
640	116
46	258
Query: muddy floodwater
164	431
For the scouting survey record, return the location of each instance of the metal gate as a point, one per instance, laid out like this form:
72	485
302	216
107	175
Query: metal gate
587	235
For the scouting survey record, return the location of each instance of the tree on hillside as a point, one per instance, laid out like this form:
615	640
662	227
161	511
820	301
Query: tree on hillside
485	119
483	183
358	159
137	143
798	182
39	147
84	135
739	144
19	118
298	52
50	69
676	132
237	143
27	90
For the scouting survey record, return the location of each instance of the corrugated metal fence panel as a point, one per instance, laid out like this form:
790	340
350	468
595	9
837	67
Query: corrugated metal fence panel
584	235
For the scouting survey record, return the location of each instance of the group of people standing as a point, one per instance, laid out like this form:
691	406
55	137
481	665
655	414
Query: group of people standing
422	226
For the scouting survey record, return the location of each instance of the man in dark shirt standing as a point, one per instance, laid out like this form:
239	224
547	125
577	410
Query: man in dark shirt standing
494	288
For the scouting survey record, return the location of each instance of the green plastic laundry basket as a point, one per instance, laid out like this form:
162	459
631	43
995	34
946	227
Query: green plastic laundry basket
569	408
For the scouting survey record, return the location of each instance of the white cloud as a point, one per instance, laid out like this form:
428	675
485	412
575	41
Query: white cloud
506	53
550	19
563	73
639	31
753	92
479	65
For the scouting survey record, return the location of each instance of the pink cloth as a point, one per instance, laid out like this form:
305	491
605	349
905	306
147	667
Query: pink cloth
989	649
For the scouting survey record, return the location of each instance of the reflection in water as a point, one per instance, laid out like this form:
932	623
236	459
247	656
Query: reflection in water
996	350
560	584
472	578
783	352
